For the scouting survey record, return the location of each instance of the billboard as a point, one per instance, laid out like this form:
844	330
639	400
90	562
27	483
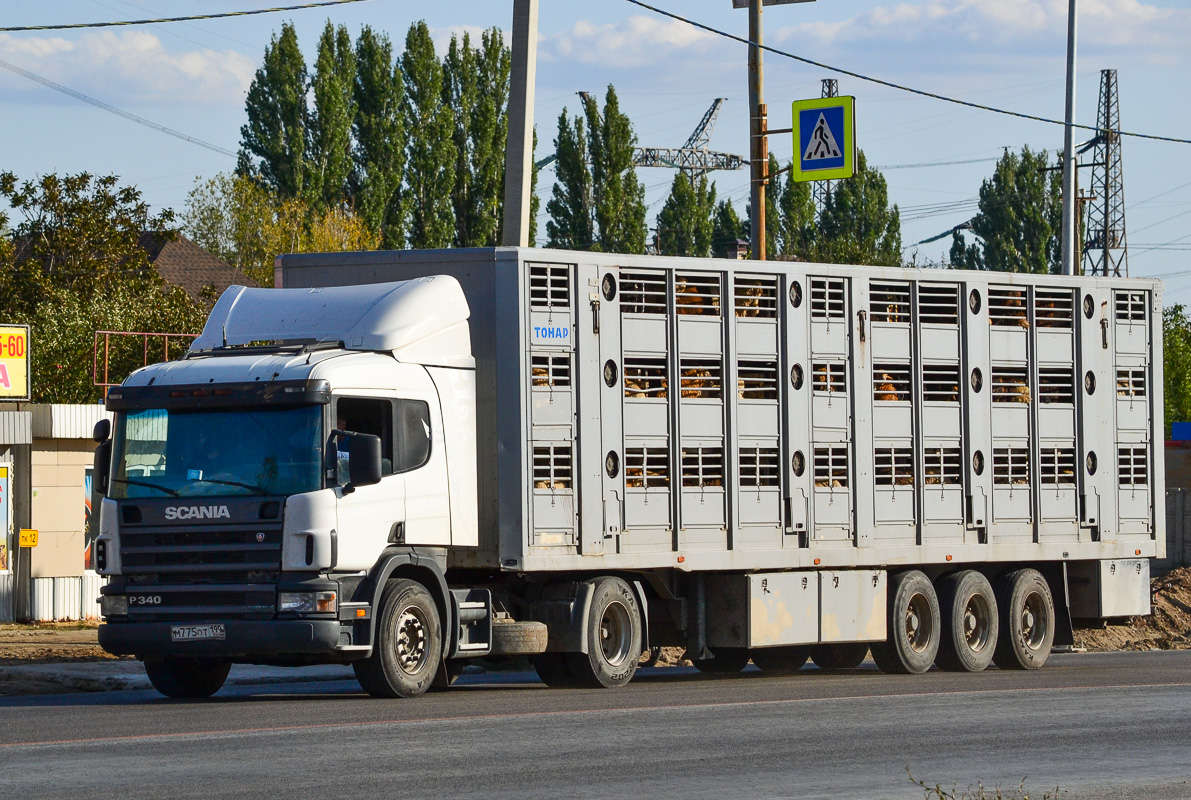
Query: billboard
14	362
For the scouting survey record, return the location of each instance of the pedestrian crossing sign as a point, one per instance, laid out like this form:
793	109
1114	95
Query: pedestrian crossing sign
824	139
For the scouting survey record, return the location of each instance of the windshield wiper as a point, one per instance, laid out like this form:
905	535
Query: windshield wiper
249	486
147	485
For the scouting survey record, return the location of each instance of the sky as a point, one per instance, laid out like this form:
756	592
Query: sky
193	77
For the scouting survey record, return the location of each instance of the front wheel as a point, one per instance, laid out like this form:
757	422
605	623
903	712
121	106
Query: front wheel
187	678
408	646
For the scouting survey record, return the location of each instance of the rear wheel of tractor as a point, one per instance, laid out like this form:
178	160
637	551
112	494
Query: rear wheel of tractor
1027	630
187	678
781	660
408	646
726	661
913	626
970	622
614	636
846	655
553	670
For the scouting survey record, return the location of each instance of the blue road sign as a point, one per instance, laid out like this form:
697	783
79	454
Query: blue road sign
824	139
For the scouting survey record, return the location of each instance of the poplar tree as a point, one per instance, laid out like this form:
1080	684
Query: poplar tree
796	231
380	131
685	225
273	143
572	224
726	228
857	225
617	194
330	162
430	164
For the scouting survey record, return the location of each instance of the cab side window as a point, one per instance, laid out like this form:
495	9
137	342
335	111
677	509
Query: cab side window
363	415
412	435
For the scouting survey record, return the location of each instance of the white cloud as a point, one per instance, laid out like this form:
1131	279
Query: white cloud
130	67
635	42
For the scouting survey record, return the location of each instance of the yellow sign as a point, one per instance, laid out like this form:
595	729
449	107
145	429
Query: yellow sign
28	537
14	362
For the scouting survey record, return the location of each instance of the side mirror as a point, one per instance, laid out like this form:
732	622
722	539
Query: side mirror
363	461
102	466
103	429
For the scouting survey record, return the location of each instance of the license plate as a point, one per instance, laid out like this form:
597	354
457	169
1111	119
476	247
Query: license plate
194	633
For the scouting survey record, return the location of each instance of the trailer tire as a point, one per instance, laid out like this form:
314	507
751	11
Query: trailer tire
970	622
408	644
614	636
553	670
781	660
726	661
1027	630
511	638
913	626
844	655
187	678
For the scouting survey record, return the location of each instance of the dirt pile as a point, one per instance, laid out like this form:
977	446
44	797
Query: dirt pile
50	643
1167	628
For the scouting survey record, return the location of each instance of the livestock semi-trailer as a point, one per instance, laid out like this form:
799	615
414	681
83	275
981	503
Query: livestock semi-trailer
403	460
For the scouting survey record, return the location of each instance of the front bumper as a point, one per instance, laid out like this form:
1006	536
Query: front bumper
246	639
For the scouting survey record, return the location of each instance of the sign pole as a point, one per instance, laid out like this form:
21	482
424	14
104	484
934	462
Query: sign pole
758	155
1067	245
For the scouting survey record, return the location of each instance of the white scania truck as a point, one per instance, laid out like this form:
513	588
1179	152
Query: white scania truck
403	460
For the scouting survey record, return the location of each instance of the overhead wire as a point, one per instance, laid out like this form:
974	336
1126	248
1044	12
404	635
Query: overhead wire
159	20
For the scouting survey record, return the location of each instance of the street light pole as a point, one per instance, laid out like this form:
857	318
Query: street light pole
1067	245
519	147
758	143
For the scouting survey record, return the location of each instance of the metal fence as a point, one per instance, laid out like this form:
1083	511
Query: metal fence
1178	531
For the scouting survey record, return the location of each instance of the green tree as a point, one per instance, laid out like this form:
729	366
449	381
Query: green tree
726	228
572	222
430	164
796	230
857	225
1176	372
1019	219
329	165
618	196
380	131
273	143
685	225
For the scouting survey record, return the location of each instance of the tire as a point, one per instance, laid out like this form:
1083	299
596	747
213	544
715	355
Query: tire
1027	629
614	635
726	661
511	638
781	660
913	626
187	678
970	622
408	646
845	655
553	670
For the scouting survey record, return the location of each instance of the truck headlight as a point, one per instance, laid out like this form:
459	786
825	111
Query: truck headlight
113	605
307	602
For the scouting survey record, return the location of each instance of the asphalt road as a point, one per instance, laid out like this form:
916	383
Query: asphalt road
1110	725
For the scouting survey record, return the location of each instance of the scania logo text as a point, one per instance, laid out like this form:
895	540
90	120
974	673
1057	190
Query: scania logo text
197	512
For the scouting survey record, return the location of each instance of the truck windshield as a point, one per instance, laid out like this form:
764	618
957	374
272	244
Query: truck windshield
161	453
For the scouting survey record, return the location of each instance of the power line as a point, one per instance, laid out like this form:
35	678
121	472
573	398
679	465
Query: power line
890	84
121	23
113	110
887	167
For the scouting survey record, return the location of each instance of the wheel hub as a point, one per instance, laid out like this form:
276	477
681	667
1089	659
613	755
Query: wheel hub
918	623
977	623
616	634
411	641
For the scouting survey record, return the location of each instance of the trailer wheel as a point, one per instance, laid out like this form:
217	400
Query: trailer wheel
1027	629
408	645
969	630
845	655
779	660
913	619
187	678
614	634
727	661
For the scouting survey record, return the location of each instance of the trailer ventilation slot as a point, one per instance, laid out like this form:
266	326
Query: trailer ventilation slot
643	293
1131	306
1057	465
756	380
756	297
889	302
701	379
759	466
1131	383
1056	385
549	286
831	467
702	466
1054	308
891	383
830	378
827	298
645	377
941	466
940	383
646	467
1007	307
938	305
1011	465
552	467
1132	466
551	371
697	294
1010	385
893	466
